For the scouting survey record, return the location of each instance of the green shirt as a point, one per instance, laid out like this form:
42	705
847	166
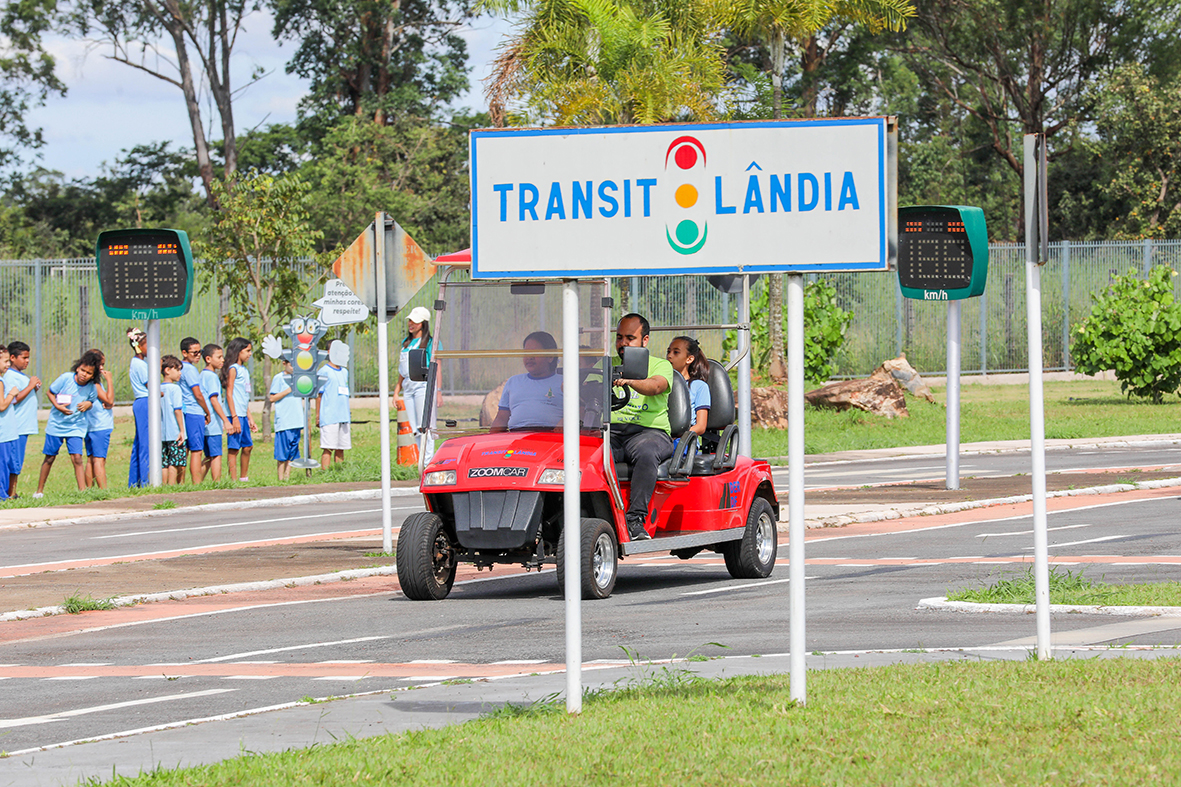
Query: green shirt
648	411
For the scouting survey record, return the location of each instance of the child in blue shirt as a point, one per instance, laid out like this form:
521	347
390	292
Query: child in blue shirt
214	358
173	453
70	395
687	359
100	422
24	389
289	420
196	409
235	379
8	439
332	411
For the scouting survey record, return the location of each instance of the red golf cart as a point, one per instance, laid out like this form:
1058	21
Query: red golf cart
494	491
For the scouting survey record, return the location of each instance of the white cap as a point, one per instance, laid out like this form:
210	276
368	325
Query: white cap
419	314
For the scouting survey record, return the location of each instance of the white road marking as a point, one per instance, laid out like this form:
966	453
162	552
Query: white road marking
738	587
1030	532
30	720
238	656
341	677
436	678
88	664
72	677
1088	541
346	661
521	661
432	661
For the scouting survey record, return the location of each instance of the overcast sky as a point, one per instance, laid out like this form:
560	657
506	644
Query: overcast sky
111	107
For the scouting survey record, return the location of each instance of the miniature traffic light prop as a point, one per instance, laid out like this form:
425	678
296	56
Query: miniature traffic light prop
305	356
942	252
145	274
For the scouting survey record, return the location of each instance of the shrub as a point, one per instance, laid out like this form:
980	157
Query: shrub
1134	329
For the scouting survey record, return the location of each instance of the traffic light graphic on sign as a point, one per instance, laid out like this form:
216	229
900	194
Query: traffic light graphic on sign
305	356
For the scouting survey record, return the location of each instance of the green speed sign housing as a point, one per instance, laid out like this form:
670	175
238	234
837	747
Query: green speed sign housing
145	274
942	252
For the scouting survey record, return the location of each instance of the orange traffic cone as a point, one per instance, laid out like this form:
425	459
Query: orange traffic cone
407	446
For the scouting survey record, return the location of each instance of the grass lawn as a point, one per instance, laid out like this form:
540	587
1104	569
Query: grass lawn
1071	588
1095	721
1076	409
1073	409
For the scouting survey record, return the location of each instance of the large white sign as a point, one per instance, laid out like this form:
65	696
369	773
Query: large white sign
808	195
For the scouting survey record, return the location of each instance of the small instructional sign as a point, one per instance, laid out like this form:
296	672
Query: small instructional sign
340	305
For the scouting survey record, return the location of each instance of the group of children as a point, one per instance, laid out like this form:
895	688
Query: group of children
197	408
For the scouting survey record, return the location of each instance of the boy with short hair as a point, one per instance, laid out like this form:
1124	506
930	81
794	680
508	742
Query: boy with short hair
24	411
173	453
71	395
7	424
332	413
214	358
289	420
196	409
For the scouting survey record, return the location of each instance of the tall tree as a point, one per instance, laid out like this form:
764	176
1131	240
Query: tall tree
186	43
780	24
380	59
586	62
26	73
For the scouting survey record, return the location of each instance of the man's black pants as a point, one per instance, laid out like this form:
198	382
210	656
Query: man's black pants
643	449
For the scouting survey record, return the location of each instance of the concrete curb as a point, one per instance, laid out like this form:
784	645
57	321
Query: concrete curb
942	604
215	590
951	508
274	502
996	447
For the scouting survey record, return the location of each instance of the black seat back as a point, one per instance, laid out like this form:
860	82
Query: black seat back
680	414
721	394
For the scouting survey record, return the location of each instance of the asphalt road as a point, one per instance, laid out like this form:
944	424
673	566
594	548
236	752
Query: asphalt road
32	550
197	659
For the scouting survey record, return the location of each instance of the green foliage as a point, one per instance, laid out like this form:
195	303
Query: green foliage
825	323
1139	124
415	171
79	603
1134	329
586	62
262	221
27	75
1070	588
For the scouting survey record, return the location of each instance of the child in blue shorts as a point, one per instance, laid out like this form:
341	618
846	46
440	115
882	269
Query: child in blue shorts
8	436
235	379
70	396
173	450
100	422
214	358
289	420
23	387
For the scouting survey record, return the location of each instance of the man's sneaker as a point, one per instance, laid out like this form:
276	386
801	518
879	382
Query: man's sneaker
635	529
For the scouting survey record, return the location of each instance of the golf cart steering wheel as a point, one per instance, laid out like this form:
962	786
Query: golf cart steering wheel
619	401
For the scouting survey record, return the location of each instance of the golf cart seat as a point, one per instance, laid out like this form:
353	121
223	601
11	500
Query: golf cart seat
719	444
679	418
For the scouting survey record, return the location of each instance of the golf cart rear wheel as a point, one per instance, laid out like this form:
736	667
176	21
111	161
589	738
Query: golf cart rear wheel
753	557
426	558
600	559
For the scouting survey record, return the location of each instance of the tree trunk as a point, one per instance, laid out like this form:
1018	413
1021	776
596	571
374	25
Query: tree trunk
200	143
777	367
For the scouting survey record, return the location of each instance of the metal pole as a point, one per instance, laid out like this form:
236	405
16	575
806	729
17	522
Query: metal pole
984	332
795	481
155	440
1034	205
744	404
37	316
953	394
383	384
1066	305
571	508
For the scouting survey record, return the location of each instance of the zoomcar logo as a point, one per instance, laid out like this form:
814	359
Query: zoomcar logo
498	472
687	238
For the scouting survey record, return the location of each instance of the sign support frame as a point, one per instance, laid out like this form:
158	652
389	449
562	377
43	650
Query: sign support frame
155	441
953	394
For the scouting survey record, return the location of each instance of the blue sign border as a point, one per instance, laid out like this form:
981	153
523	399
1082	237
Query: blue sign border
880	265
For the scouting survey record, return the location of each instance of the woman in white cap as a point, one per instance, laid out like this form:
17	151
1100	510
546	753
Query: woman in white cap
138	374
418	336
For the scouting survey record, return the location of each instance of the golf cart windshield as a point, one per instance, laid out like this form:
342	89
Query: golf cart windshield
497	359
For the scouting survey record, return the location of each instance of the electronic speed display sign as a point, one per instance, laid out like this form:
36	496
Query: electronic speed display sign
942	252
145	274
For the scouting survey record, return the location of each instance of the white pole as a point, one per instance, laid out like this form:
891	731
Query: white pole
155	441
795	481
744	372
1037	420
571	509
953	394
383	382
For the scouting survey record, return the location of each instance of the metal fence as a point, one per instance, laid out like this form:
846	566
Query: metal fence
55	306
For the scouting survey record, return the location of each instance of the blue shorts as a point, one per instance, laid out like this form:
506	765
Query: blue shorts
98	443
6	451
16	456
212	445
287	444
53	444
243	439
195	432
